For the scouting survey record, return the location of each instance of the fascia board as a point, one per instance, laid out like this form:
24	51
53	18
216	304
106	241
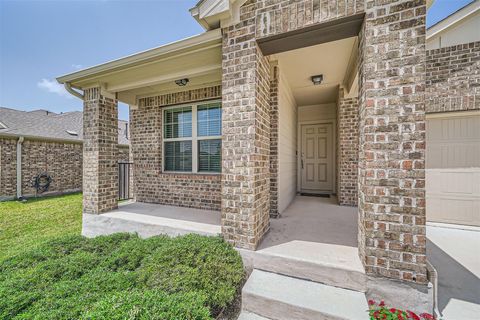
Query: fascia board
140	57
453	19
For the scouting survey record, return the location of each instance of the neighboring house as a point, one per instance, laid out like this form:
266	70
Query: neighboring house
44	142
280	98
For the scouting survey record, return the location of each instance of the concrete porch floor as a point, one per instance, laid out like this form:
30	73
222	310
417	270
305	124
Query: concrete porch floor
316	220
314	239
148	219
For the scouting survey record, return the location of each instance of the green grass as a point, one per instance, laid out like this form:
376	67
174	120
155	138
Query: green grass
121	277
49	271
28	224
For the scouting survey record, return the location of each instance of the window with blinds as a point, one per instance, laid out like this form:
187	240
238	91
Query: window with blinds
209	119
192	138
178	123
209	155
178	156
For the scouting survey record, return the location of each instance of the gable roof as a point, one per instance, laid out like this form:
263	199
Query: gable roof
454	18
49	125
213	14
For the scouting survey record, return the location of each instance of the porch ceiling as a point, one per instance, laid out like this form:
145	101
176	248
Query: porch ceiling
155	71
334	60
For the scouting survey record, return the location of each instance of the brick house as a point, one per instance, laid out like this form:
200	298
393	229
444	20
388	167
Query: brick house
277	99
44	142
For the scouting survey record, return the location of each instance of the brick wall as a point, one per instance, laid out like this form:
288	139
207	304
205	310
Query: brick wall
8	168
347	150
277	17
246	134
274	83
453	78
202	191
61	160
391	205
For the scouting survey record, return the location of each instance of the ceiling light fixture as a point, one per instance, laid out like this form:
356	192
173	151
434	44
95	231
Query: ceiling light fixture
182	82
317	79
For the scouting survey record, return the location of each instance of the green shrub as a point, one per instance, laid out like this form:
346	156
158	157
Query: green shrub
149	305
120	277
197	263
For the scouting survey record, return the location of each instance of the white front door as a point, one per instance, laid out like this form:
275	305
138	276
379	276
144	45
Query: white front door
317	158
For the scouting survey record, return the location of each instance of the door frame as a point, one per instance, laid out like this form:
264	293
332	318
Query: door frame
299	151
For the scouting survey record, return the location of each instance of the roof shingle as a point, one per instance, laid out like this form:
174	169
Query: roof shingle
46	124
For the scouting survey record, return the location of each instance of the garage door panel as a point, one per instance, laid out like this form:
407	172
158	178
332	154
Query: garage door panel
441	208
453	169
464	182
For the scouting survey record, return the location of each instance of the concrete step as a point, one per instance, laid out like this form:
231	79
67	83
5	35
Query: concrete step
333	265
281	297
244	315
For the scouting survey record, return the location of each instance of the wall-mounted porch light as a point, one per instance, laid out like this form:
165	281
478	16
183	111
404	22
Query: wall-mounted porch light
317	79
182	82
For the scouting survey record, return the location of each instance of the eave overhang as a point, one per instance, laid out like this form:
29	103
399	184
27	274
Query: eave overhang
213	14
8	135
197	58
451	20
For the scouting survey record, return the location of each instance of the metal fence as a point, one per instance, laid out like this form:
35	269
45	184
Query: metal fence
124	175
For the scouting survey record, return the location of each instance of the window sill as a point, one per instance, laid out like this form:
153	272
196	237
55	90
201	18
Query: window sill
180	173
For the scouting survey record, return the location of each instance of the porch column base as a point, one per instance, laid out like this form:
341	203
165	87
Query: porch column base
400	294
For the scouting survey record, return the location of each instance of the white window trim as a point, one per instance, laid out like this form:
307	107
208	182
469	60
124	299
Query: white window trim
194	138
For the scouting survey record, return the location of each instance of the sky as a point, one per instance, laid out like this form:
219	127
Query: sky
41	40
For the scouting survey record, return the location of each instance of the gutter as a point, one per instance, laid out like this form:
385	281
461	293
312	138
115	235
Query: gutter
19	167
73	92
47	139
38	138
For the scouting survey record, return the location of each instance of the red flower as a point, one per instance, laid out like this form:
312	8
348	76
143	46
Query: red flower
393	310
413	315
427	316
376	314
400	316
382	303
371	302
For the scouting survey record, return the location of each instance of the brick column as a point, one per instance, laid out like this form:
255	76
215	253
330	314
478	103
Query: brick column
246	135
347	150
392	141
100	149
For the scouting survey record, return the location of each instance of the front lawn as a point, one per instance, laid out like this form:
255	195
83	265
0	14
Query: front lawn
121	277
24	225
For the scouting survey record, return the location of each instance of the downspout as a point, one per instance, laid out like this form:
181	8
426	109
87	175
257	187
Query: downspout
19	167
69	88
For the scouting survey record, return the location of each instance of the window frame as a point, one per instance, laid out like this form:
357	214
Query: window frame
194	138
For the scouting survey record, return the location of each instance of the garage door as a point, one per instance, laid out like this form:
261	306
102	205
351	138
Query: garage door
453	168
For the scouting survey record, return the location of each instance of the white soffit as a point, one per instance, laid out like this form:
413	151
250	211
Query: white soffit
454	18
191	57
330	59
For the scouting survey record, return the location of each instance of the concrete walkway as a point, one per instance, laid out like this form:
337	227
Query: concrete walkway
455	253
